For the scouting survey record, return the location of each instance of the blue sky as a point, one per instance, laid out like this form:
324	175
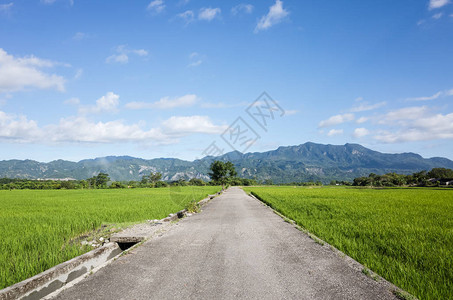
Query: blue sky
84	79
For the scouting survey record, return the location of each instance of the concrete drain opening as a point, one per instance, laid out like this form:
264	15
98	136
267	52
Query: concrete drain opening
126	242
126	245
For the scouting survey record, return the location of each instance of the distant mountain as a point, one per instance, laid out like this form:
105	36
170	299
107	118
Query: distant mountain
304	162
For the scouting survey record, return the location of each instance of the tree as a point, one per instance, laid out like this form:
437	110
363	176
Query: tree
155	177
101	180
222	172
268	182
197	182
440	173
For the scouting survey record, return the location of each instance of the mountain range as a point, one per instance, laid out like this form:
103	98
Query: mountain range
305	162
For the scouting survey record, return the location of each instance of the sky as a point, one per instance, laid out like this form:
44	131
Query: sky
186	78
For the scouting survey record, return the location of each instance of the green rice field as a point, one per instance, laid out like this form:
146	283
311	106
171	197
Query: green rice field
405	235
38	227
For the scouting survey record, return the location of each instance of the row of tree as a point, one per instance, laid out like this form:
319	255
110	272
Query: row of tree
221	174
224	173
435	177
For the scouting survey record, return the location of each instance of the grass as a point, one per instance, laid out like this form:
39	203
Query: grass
404	235
38	227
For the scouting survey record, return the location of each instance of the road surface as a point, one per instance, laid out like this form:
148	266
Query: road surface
235	248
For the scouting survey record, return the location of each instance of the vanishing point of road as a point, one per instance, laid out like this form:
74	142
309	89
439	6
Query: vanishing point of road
236	248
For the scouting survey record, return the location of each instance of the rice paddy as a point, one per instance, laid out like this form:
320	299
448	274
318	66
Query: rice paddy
38	227
405	235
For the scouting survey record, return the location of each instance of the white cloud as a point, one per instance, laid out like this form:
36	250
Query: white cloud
433	97
334	132
243	7
48	1
291	112
433	4
188	16
195	60
118	58
361	120
78	73
72	101
208	14
122	54
191	124
223	105
406	113
195	63
437	95
156	6
19	73
166	103
18	128
367	107
6	8
415	124
438	16
140	52
361	132
107	103
80	129
78	36
336	120
275	15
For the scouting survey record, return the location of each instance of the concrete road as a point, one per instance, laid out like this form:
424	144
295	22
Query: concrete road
235	248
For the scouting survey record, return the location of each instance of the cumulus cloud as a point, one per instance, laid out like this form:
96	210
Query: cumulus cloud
334	132
166	103
188	16
18	128
208	14
242	8
336	120
433	4
362	120
192	124
403	114
156	6
107	103
415	124
80	129
275	15
18	73
360	132
367	107
122	54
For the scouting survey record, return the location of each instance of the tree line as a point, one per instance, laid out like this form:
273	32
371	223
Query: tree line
435	177
224	173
